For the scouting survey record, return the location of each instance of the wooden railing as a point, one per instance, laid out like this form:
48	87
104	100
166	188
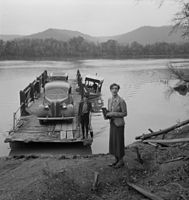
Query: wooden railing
31	92
28	95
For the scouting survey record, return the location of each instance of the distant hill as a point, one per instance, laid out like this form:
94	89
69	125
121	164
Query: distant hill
58	34
149	35
143	35
9	37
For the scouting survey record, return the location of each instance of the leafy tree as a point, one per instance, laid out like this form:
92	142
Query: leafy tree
2	45
136	48
110	48
78	47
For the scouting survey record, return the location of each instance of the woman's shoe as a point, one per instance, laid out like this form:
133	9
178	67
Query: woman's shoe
119	165
113	164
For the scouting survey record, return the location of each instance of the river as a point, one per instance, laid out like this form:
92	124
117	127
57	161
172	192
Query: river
143	83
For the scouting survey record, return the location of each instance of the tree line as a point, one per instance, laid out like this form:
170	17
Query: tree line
78	47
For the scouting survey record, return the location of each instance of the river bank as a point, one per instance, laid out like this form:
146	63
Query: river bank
164	172
76	58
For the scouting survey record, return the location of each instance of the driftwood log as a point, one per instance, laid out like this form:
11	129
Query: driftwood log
146	136
144	192
179	140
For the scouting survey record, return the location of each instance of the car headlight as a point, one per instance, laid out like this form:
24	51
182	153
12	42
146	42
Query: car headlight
46	107
64	106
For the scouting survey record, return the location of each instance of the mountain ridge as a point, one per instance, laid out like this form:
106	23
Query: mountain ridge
143	35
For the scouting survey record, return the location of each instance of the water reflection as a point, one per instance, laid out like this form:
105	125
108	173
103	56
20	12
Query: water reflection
181	88
49	149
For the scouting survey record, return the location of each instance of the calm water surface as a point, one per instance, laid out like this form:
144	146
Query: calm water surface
143	86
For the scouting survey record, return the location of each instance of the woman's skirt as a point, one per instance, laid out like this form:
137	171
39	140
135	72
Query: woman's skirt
116	141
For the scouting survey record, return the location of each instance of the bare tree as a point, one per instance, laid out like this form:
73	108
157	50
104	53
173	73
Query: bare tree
181	18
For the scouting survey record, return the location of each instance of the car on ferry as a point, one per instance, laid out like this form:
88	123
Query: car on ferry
57	102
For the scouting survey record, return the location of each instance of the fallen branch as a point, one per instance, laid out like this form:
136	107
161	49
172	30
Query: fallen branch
156	144
163	145
145	193
95	182
153	144
146	136
175	159
167	141
139	158
151	130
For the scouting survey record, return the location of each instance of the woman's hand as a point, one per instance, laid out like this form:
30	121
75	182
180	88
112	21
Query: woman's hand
109	114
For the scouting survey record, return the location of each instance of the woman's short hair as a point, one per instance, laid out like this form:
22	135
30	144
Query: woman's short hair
114	84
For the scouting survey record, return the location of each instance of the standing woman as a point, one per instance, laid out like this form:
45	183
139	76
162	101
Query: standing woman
117	111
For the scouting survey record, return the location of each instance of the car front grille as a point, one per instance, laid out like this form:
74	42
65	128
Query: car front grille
55	109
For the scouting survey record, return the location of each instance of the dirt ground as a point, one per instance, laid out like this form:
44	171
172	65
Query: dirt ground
71	177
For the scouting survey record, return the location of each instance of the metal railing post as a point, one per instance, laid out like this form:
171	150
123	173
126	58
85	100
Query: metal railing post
14	121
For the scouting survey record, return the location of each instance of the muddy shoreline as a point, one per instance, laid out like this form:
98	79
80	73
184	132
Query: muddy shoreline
164	172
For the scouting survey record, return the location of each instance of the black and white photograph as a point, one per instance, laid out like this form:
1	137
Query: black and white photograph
94	100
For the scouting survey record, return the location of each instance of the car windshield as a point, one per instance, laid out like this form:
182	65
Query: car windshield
58	78
56	93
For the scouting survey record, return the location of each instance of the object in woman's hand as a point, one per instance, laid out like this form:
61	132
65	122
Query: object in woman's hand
105	111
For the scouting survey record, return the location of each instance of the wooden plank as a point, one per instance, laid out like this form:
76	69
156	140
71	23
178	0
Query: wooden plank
78	128
54	118
146	136
33	128
62	135
168	141
58	127
69	134
32	132
25	140
144	192
74	128
70	131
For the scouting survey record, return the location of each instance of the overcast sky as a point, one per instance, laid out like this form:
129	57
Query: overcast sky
94	17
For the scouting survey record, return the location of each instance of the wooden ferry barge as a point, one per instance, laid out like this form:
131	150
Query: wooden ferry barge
27	126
